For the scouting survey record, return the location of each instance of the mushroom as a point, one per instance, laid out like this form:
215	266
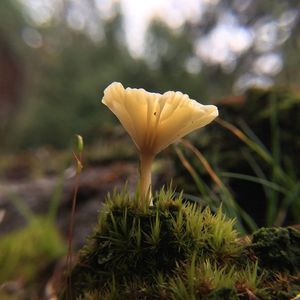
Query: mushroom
155	121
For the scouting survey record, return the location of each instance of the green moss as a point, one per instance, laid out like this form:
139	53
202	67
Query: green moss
277	249
134	242
27	251
224	293
177	250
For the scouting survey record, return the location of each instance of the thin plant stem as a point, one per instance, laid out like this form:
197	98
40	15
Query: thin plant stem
264	182
79	167
22	207
279	175
275	142
239	134
285	204
204	162
233	205
265	155
55	199
191	170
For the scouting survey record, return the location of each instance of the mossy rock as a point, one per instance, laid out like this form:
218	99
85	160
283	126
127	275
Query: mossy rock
177	250
277	249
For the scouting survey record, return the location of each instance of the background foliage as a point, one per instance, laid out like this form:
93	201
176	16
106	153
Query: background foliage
64	67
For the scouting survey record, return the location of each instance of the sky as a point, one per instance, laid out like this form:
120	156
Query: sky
139	13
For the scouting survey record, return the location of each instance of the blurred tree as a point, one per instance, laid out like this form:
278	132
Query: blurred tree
11	68
233	45
66	80
69	58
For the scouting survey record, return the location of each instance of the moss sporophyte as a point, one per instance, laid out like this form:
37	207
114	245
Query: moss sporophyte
155	121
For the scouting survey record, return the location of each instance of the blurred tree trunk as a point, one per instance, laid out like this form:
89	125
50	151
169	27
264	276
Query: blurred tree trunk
11	82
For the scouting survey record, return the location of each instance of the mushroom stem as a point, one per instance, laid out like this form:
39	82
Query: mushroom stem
145	176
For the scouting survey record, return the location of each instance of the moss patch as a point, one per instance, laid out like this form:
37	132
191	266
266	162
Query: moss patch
277	249
25	252
177	250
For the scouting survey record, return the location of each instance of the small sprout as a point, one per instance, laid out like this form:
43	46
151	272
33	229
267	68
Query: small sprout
79	166
79	143
155	121
78	157
2	214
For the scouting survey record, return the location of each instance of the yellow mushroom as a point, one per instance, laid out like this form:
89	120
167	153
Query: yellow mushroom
154	120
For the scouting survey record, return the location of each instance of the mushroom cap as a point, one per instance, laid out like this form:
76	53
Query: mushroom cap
154	120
